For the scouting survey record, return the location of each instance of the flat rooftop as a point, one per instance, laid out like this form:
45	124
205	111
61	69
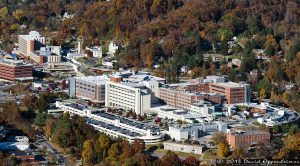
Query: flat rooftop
113	128
145	77
76	106
248	132
129	122
31	36
98	80
12	62
230	84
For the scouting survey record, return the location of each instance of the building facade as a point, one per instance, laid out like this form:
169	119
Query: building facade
184	100
97	51
32	47
28	43
203	107
234	92
114	125
195	131
129	96
15	70
112	48
91	88
247	138
195	149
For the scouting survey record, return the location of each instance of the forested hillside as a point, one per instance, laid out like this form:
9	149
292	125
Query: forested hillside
157	28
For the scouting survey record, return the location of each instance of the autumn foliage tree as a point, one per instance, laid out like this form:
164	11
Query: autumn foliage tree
238	153
291	148
191	161
223	150
170	159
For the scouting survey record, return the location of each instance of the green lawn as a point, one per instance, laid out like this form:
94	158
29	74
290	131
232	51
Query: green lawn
180	154
81	60
210	154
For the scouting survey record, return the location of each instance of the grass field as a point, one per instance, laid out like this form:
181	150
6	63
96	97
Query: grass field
180	154
210	154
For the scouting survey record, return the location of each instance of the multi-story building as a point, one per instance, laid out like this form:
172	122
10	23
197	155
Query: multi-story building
149	81
32	47
195	131
15	70
50	54
114	125
28	43
247	138
215	79
203	107
234	92
112	48
127	95
97	51
91	87
192	87
180	147
183	99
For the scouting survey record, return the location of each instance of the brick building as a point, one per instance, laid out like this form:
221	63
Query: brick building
184	99
234	92
29	43
194	87
247	138
15	70
32	47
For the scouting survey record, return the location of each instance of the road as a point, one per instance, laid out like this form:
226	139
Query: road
60	158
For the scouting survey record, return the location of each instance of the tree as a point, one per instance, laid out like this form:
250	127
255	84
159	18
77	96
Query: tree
223	150
41	104
291	148
145	116
149	52
14	27
10	112
264	83
40	119
262	93
191	161
293	129
3	12
18	14
276	129
88	153
127	151
64	85
263	127
132	161
238	153
170	159
28	101
293	51
100	62
143	158
138	145
102	146
269	50
219	137
114	153
224	34
49	127
232	74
